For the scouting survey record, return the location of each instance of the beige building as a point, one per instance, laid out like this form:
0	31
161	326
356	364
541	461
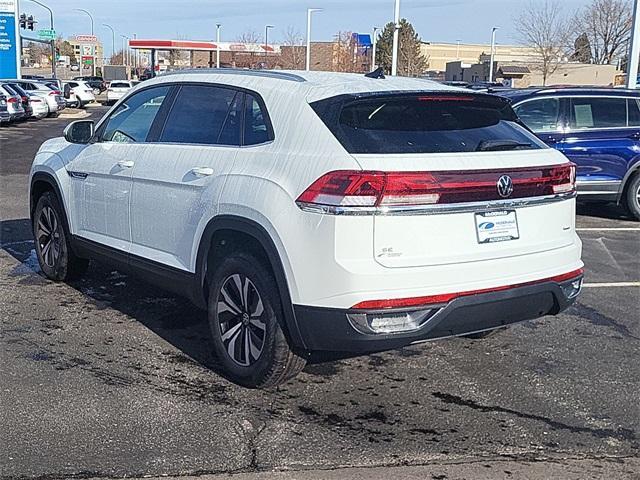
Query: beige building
570	74
439	54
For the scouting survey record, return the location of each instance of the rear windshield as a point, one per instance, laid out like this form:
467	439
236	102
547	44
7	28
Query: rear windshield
424	123
120	85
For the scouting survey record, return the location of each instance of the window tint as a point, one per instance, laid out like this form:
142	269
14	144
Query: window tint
540	115
598	112
425	124
633	107
132	120
230	134
119	85
197	115
256	129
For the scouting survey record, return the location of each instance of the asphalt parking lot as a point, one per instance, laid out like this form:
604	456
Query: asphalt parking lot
109	377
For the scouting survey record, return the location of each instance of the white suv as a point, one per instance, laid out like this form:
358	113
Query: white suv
312	212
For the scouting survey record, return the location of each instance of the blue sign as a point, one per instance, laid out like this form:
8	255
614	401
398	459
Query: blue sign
9	58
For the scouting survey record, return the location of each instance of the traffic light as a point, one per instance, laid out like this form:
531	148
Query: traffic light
27	22
30	22
23	21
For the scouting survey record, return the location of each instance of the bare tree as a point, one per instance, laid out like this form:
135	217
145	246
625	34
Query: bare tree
249	36
343	52
607	25
544	28
293	49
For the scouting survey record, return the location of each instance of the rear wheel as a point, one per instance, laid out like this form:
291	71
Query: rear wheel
632	196
244	317
52	247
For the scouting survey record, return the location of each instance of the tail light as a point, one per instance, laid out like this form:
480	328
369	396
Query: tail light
12	100
373	189
55	92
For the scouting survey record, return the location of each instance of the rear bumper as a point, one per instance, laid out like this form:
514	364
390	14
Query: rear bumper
325	329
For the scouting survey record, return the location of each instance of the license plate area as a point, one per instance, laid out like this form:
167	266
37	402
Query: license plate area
497	226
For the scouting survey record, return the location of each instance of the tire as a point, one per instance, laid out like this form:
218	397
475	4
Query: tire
632	196
56	258
248	339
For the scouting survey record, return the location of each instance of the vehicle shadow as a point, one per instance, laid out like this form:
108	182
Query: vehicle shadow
172	318
599	210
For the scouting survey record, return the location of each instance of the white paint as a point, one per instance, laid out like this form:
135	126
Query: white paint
608	229
611	284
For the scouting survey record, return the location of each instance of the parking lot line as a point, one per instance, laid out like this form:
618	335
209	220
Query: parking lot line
611	284
608	229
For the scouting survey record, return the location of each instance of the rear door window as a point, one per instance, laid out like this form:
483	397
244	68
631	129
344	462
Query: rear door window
540	115
598	112
198	115
633	107
425	123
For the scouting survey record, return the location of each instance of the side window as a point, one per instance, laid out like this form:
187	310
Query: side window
598	112
540	115
199	114
132	120
633	107
256	129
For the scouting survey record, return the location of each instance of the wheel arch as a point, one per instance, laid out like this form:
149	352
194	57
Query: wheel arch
258	236
632	172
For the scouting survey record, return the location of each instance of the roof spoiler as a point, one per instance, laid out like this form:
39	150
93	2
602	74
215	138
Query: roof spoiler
377	73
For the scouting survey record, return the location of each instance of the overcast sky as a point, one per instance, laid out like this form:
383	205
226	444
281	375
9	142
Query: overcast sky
435	20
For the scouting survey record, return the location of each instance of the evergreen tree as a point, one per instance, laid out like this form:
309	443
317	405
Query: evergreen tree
411	61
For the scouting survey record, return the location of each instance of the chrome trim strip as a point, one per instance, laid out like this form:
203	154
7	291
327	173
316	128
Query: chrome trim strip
468	207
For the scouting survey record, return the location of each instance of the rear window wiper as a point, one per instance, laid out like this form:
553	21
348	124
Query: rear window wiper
497	145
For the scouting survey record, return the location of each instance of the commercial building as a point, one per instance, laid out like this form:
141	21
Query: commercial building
87	49
439	54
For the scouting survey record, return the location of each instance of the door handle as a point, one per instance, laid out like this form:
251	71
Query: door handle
126	163
202	171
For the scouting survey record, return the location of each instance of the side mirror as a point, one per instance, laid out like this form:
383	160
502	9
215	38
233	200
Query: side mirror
79	132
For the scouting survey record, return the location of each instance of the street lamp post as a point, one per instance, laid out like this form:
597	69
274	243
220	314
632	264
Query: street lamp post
375	45
396	28
53	42
308	52
125	59
218	25
113	40
266	42
493	48
93	56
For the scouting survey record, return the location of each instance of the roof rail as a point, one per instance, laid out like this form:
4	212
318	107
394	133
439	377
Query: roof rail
241	71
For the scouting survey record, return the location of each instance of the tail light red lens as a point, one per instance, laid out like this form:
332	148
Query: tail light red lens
447	297
12	100
55	92
388	189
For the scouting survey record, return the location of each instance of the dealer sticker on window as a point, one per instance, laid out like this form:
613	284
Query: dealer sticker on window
498	226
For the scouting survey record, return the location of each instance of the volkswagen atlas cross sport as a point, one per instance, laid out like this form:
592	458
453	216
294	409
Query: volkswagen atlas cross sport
315	212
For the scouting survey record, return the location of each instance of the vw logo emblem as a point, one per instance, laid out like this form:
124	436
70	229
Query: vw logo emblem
505	186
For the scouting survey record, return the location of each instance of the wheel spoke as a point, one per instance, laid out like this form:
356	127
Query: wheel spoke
42	228
245	294
258	323
231	332
231	346
255	351
247	351
228	303
238	281
259	309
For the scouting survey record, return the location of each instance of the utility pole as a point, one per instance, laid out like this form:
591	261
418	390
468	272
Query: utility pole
218	25
308	52
492	56
632	59
53	42
373	50
396	28
113	40
93	48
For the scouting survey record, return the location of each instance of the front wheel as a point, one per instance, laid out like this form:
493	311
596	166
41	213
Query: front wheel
632	197
57	260
244	317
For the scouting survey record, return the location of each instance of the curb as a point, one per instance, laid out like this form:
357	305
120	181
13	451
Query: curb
75	115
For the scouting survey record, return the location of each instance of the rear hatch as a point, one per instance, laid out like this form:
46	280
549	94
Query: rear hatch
449	178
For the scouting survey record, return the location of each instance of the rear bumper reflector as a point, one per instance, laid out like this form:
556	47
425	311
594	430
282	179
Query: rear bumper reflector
447	297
